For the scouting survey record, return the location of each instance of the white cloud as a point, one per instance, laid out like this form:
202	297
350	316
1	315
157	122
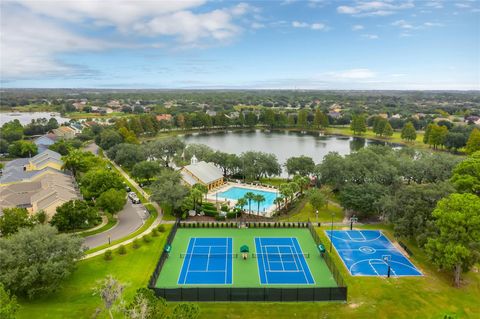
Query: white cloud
403	24
31	48
358	27
462	5
353	74
370	36
313	26
35	33
318	26
298	24
257	25
375	8
436	4
433	24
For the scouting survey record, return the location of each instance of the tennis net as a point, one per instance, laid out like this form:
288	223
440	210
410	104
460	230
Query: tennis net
190	255
279	255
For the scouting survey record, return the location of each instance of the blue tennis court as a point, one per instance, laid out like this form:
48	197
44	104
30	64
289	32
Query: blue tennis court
208	261
281	261
369	252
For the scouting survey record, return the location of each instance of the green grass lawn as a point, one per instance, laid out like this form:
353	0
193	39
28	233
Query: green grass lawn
304	211
395	138
110	224
430	296
273	181
76	300
148	223
245	272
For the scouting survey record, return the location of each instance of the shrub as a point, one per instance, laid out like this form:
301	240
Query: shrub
154	233
122	250
231	215
108	255
161	228
147	238
136	243
224	208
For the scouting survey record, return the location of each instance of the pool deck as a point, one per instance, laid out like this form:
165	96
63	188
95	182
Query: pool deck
211	196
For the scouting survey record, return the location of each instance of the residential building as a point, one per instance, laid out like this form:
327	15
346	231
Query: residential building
164	117
27	169
64	132
44	141
45	192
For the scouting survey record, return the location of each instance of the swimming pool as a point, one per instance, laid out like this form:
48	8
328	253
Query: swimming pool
239	192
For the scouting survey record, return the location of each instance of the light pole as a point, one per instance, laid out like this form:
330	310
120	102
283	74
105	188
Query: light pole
316	215
331	233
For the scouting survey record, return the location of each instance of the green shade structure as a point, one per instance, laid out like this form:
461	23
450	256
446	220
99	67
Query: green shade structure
244	249
321	248
167	248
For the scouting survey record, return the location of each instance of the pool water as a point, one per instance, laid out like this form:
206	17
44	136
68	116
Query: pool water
239	192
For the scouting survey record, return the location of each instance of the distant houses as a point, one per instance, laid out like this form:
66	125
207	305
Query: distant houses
164	117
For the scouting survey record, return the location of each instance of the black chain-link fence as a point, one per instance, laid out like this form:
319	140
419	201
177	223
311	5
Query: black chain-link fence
338	293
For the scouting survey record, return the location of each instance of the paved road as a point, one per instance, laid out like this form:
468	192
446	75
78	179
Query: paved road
92	147
129	219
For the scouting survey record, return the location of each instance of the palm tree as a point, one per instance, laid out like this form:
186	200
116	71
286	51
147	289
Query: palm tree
259	198
302	182
196	196
241	202
277	201
249	197
286	191
203	189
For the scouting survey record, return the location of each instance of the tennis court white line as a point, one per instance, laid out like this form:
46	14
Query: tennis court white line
303	270
189	261
281	259
226	262
263	261
208	258
216	246
203	271
294	259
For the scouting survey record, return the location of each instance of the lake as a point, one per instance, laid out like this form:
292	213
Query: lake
283	144
27	117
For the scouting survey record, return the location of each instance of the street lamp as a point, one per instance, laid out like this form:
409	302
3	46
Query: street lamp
331	233
316	214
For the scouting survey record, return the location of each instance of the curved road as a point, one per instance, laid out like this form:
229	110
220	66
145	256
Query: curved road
130	218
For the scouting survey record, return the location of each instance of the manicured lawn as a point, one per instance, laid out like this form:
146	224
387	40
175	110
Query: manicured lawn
273	181
111	222
395	138
168	213
304	211
76	299
430	296
148	223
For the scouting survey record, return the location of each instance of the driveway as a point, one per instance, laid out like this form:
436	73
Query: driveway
130	218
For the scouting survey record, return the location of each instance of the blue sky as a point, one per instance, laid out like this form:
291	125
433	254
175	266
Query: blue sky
319	44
